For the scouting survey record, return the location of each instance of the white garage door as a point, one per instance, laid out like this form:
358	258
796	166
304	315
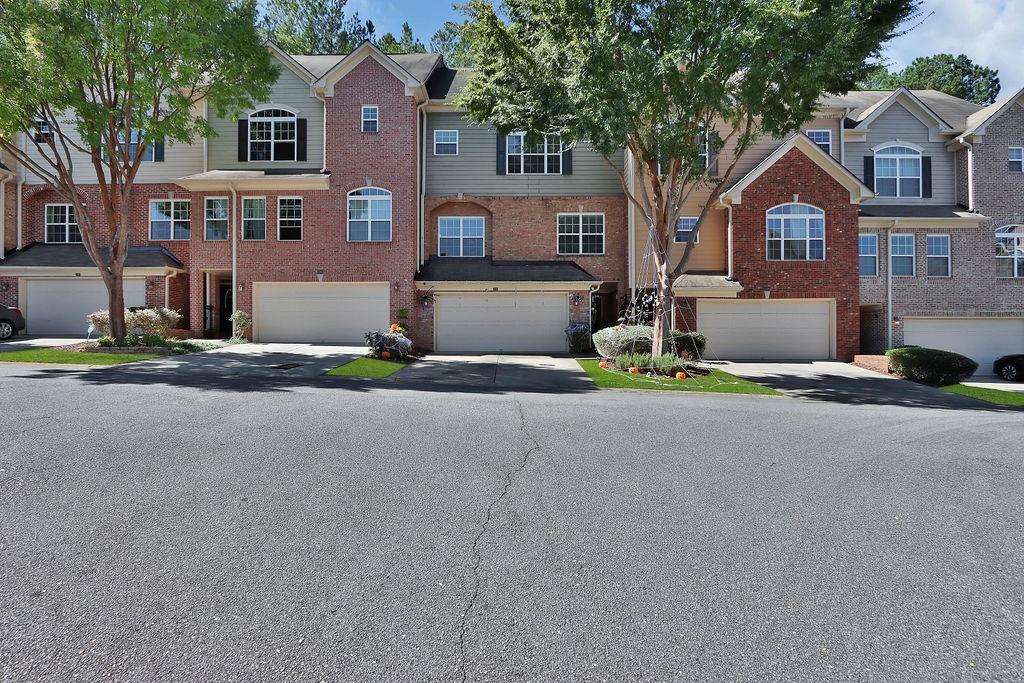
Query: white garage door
59	306
501	323
980	339
330	312
771	330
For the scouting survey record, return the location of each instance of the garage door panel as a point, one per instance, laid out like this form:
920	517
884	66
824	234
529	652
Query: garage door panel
515	323
339	313
770	330
980	339
59	306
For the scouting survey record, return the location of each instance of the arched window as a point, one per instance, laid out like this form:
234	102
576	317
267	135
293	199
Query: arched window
1010	251
897	171
272	135
369	215
796	232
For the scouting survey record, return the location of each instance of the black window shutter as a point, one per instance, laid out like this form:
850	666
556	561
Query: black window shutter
243	139
926	177
567	162
712	159
158	151
300	140
501	154
869	172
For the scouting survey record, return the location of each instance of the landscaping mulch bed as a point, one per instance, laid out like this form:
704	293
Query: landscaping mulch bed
878	364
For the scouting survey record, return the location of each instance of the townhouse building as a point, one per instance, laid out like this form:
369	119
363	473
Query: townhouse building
360	195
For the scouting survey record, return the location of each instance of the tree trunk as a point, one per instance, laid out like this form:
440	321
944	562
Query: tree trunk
663	304
115	306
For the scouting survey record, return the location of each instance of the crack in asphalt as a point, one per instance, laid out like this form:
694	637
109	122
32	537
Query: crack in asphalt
523	462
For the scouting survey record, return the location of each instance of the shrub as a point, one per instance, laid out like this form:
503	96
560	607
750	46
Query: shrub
612	342
153	340
240	324
625	361
394	342
140	321
578	335
105	340
669	364
689	343
193	345
930	366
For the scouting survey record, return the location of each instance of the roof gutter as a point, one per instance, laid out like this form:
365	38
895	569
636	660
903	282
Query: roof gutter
3	215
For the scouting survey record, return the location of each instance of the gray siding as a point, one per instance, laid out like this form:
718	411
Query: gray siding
896	123
474	170
289	91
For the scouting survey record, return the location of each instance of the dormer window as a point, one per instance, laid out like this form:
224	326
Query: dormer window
898	172
273	135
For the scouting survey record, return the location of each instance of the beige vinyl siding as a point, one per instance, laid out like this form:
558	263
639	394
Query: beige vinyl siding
179	160
292	92
474	170
896	123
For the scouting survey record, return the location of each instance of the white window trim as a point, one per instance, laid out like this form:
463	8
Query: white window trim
172	238
948	257
362	118
369	221
912	256
68	208
272	119
241	219
449	130
604	233
826	131
522	155
1020	161
874	256
302	220
1016	234
206	201
461	236
877	151
807	240
675	233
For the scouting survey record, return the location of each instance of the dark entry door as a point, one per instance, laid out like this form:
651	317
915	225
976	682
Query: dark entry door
226	300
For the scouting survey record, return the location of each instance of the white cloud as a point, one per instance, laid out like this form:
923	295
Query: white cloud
987	31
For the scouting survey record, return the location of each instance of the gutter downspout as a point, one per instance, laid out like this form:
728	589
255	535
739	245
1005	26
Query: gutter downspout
970	174
234	255
728	243
631	221
888	284
842	137
3	216
19	187
421	183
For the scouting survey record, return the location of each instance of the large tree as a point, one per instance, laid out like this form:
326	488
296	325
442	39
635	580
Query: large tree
319	27
407	44
658	77
452	41
957	76
88	86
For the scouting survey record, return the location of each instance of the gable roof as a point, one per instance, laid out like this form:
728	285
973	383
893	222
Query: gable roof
858	190
446	83
977	121
951	110
411	69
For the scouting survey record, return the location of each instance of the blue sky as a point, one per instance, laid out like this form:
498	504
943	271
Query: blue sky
987	31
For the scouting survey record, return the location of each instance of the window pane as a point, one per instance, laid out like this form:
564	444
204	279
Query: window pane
359	231
380	231
910	167
938	266
568	244
284	151
358	209
816	250
885	187
885	168
910	187
938	245
473	246
380	209
449	246
514	165
868	266
795	249
775	250
902	265
868	245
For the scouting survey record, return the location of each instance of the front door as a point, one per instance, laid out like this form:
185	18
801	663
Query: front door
227	301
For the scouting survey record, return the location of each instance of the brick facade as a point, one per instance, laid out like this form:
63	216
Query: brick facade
795	177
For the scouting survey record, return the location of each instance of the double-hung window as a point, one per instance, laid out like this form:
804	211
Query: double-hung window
62	224
898	172
1015	157
901	255
685	227
289	219
369	215
581	234
1010	251
822	138
273	135
170	219
446	143
796	232
868	251
254	218
938	258
527	154
460	236
370	119
216	218
131	147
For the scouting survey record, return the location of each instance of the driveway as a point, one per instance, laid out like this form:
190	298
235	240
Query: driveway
37	342
555	374
843	383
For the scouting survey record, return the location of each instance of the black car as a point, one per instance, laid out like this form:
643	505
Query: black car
11	322
1010	368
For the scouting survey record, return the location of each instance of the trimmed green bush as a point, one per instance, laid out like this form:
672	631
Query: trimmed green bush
690	343
930	366
612	342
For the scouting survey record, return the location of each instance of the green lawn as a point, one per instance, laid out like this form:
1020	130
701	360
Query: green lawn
997	396
717	381
369	368
71	357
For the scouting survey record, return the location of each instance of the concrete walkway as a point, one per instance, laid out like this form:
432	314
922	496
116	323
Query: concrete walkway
995	383
37	342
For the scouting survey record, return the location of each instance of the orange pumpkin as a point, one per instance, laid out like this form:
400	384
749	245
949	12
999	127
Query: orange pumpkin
680	375
603	365
385	354
634	371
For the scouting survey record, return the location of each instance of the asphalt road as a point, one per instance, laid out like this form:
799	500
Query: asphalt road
255	531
